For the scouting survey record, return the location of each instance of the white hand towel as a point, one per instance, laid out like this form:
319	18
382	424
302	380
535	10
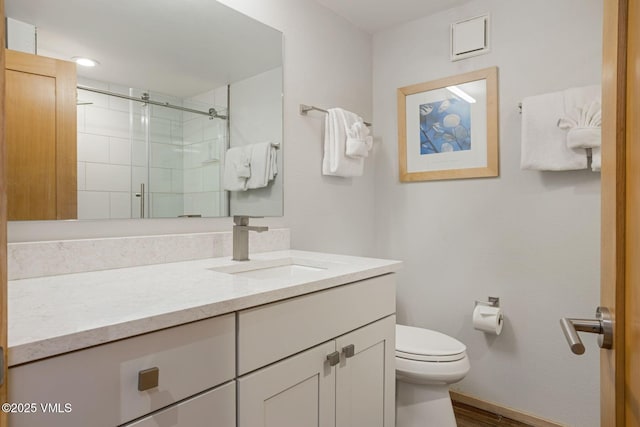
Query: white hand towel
236	169
273	156
577	97
242	163
544	145
263	166
358	140
335	161
583	123
596	159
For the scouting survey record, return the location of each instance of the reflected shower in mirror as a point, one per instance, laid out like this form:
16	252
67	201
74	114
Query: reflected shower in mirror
175	87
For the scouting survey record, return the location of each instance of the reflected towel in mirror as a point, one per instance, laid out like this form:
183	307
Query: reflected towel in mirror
264	165
236	168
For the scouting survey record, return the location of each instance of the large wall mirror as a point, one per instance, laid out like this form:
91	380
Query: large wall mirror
181	89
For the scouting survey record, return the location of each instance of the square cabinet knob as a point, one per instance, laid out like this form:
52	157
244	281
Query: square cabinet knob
148	379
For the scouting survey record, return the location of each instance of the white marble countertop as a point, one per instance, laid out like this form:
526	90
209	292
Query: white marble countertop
57	314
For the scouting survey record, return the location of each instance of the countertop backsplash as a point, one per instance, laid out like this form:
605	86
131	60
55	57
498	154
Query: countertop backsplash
50	258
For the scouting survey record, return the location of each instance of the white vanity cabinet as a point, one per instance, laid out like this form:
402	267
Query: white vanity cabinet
100	386
348	380
315	353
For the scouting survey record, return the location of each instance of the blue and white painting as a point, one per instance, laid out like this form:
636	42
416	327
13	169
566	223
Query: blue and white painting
445	126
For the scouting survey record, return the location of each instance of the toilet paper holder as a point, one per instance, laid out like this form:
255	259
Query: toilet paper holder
493	302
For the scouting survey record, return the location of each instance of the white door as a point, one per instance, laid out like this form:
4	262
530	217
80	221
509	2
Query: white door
365	379
296	392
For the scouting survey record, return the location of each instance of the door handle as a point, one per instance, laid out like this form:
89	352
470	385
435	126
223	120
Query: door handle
141	196
601	325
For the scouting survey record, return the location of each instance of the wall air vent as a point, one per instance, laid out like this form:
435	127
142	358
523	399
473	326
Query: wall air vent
21	36
470	37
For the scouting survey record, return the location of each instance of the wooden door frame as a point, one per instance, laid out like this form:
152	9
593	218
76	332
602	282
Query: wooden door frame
620	234
3	226
631	384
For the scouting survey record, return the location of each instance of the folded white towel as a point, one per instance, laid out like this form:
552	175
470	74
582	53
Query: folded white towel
544	145
335	161
358	140
596	159
236	168
583	123
578	97
273	156
263	164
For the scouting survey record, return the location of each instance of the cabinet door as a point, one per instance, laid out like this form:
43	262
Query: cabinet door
215	408
296	392
365	382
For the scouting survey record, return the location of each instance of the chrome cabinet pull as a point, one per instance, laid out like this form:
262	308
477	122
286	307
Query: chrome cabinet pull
333	358
349	350
148	379
601	325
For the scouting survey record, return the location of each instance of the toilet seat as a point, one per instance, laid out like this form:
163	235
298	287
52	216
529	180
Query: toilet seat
429	357
425	345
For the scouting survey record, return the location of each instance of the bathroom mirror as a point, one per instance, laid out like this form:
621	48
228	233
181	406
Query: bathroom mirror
221	73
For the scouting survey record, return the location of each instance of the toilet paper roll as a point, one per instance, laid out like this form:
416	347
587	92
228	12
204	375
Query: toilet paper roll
488	319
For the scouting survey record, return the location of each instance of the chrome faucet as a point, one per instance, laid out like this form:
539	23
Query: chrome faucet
241	231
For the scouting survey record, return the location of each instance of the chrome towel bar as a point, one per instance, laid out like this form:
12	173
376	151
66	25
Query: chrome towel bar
304	109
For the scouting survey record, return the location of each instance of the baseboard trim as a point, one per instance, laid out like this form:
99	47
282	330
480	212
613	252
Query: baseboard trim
523	417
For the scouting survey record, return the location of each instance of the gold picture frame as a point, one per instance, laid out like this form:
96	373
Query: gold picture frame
448	128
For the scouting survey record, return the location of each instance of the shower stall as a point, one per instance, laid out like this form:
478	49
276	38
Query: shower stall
144	154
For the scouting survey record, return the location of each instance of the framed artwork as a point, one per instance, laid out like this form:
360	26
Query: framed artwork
448	128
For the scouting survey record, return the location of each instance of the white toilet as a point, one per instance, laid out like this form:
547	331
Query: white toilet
426	363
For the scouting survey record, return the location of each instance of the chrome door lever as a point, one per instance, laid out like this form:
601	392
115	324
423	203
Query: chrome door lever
601	325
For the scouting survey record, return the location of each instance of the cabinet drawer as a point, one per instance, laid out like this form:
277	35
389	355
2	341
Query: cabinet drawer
101	383
274	331
216	408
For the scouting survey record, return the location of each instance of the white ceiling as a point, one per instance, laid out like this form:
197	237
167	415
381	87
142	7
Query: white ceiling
180	48
185	47
375	15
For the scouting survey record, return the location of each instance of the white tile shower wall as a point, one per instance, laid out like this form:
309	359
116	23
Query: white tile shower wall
104	152
111	136
166	158
204	142
37	259
528	237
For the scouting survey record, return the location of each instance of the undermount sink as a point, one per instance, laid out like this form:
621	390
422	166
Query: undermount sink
274	269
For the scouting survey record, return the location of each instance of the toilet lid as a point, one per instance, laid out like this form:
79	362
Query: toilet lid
427	345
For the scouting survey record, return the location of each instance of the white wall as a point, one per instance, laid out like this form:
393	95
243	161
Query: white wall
327	62
530	238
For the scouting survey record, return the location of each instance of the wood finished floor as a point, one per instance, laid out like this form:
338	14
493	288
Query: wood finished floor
469	416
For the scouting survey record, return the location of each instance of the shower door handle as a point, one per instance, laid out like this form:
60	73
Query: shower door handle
141	195
601	325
